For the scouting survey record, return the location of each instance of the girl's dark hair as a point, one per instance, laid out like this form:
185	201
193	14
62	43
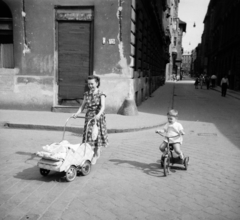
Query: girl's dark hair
96	78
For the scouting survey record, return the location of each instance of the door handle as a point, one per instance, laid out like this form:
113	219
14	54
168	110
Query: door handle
60	79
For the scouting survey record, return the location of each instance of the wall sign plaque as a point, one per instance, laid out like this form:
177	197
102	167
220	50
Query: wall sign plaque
74	15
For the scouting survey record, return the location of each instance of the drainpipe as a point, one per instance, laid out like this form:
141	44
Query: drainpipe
26	46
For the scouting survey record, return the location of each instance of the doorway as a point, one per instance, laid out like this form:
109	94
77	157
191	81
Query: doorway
73	60
74	45
6	37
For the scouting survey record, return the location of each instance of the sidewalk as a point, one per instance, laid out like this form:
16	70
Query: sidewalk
232	93
151	113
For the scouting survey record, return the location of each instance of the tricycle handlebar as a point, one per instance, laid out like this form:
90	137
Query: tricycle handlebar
167	136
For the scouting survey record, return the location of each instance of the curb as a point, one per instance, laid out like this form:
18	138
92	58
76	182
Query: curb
73	129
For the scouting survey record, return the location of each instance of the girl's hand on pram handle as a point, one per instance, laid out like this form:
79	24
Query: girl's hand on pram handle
97	117
74	116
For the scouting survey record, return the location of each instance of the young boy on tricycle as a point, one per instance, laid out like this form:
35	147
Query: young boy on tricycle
175	130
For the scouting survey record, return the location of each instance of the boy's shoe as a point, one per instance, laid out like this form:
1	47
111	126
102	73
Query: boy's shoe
181	156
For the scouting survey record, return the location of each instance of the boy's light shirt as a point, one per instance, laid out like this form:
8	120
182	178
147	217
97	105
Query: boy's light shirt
172	130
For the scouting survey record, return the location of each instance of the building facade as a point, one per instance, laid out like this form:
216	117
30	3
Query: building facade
179	49
49	47
173	28
186	62
221	41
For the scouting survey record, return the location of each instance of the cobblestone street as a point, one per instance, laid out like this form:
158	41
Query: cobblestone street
127	181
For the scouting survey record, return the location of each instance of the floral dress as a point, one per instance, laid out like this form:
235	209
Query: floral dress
93	106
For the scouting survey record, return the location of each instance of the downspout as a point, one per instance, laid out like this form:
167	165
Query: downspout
26	48
123	61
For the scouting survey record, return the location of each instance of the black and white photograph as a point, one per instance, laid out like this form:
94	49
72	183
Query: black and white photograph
120	110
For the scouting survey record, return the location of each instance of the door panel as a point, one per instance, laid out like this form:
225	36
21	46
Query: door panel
73	58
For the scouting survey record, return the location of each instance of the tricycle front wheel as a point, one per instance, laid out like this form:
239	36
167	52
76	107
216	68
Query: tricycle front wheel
166	165
86	168
71	173
44	172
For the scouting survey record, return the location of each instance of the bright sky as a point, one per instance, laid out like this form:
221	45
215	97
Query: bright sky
191	11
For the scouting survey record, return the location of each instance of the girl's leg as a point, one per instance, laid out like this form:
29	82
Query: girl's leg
177	149
96	154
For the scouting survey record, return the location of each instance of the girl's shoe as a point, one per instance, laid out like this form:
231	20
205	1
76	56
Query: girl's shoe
94	160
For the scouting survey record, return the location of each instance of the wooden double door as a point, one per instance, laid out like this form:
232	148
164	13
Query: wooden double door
74	59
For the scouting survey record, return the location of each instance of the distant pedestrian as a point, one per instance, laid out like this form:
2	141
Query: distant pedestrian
213	80
224	85
207	81
196	83
174	77
201	80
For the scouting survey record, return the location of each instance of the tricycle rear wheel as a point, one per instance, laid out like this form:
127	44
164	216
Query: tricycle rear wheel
186	160
71	173
86	168
44	172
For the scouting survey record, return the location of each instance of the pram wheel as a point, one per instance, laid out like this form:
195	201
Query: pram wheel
71	173
86	168
44	172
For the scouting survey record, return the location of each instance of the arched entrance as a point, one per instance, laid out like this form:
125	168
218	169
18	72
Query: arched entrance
6	37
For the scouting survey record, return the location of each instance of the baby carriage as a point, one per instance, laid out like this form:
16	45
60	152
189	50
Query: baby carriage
66	157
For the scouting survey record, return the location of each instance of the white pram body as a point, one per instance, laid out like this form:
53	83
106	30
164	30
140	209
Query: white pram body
60	156
66	157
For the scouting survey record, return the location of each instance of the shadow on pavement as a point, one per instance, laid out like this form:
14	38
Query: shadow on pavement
160	100
33	173
199	105
152	169
208	106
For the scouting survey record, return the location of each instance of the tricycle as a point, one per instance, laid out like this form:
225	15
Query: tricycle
170	157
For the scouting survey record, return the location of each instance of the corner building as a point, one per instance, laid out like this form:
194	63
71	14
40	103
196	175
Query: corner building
50	47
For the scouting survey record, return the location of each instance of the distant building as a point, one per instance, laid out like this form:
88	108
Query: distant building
186	62
196	68
176	28
221	41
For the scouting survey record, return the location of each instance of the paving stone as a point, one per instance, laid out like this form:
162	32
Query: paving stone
127	182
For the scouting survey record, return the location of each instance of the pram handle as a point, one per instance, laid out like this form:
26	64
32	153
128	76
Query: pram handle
64	130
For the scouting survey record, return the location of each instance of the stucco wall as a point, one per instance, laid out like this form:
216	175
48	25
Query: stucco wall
33	81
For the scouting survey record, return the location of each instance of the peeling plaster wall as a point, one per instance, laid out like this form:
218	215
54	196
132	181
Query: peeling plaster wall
32	84
112	58
33	77
113	62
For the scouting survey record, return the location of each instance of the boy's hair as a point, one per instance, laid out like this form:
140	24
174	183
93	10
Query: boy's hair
173	113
